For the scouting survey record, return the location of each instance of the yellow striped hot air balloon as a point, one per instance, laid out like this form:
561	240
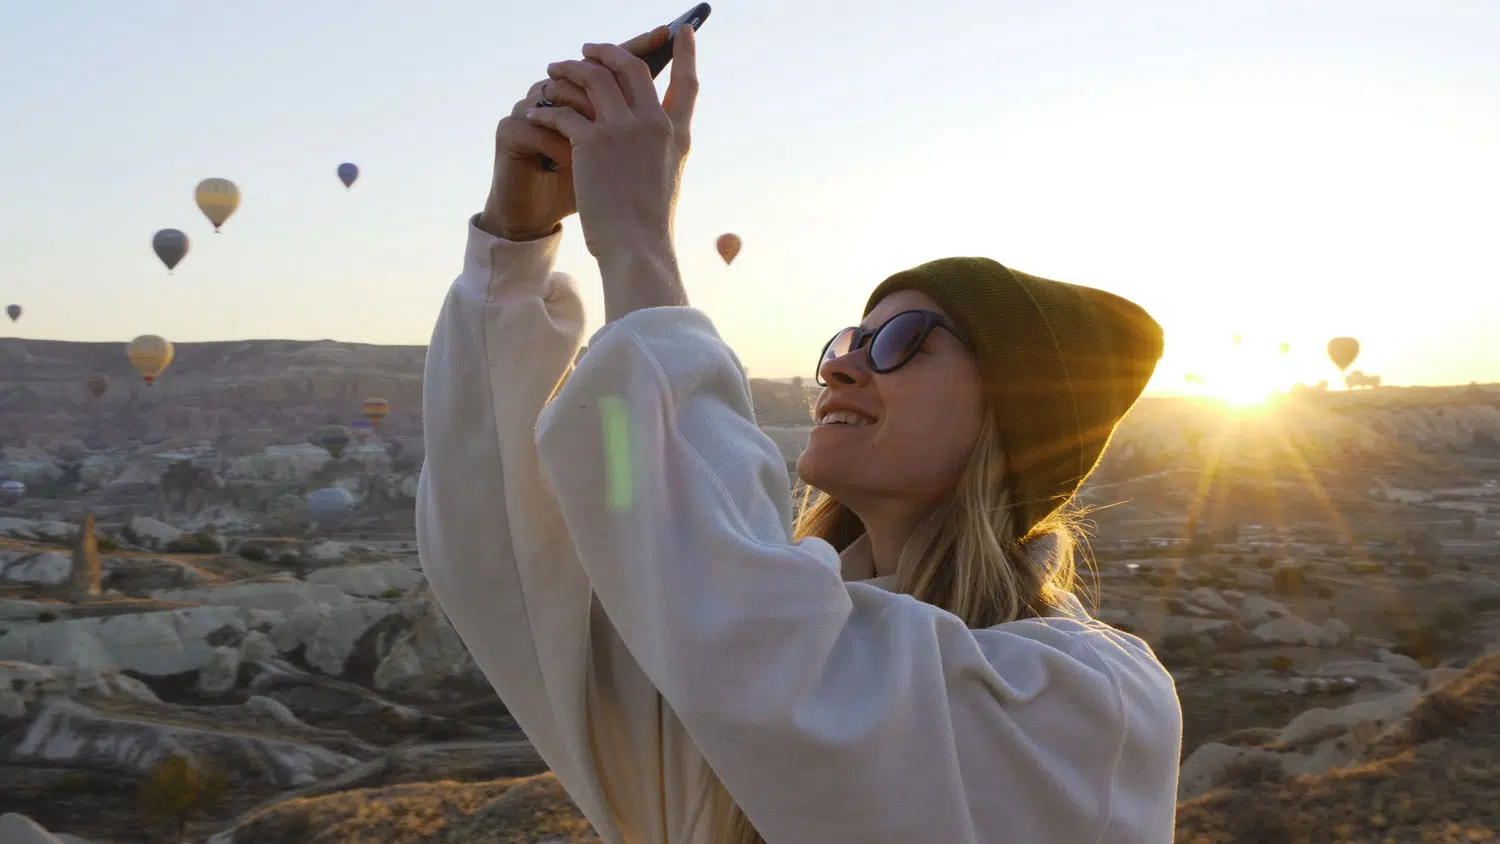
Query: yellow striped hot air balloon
217	199
375	409
150	355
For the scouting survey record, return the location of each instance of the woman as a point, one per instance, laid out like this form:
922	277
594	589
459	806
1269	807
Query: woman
907	663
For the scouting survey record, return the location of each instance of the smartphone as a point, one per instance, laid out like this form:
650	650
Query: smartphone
693	17
659	60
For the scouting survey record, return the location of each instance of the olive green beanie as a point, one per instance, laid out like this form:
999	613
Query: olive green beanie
1062	365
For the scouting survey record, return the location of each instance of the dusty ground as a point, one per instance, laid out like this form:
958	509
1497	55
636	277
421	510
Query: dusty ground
1435	779
508	811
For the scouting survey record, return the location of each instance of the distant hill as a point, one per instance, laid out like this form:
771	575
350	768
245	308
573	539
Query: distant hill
217	388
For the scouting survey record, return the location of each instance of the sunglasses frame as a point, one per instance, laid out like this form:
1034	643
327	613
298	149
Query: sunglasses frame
864	338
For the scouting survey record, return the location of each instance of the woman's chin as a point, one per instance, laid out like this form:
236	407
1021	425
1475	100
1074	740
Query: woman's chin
820	468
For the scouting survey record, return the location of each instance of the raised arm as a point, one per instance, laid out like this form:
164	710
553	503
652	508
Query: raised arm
500	559
832	711
491	539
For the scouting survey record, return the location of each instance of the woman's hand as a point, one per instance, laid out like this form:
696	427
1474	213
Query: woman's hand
526	200
627	156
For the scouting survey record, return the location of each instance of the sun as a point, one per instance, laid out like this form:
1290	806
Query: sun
1245	395
1239	393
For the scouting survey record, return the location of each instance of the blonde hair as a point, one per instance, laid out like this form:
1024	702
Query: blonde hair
967	557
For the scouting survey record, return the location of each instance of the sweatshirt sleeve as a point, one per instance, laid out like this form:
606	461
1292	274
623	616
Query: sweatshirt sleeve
832	711
494	546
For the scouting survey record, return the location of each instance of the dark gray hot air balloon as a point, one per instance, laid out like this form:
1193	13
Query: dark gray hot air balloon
14	311
170	246
348	172
333	438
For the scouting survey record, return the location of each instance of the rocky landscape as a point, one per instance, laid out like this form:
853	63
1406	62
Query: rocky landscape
184	656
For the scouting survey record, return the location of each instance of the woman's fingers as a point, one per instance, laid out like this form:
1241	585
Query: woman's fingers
647	42
564	93
682	90
631	74
598	82
565	121
522	139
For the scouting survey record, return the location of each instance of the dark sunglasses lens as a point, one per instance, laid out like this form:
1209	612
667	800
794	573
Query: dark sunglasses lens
839	346
897	341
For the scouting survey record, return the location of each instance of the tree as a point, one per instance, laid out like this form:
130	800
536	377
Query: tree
177	788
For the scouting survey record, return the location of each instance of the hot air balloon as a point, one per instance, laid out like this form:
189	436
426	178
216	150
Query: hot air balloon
729	246
348	173
1342	351
12	491
14	311
170	246
217	199
330	506
375	409
333	438
1237	339
150	355
1285	347
98	383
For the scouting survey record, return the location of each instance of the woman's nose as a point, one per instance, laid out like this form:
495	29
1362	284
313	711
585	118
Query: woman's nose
846	369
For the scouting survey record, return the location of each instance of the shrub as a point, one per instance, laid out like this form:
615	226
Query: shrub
393	592
254	553
1253	770
1423	644
1279	662
107	544
1416	569
1288	581
195	543
177	789
1438	715
1265	561
1451	619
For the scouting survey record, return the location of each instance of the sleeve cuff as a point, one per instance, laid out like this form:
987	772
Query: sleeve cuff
495	267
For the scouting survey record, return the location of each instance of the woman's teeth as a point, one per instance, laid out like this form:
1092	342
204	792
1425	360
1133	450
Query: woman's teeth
844	417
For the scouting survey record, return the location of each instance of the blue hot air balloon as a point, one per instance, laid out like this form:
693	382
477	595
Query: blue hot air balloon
348	173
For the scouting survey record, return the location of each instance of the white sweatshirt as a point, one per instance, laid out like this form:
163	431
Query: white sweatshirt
619	563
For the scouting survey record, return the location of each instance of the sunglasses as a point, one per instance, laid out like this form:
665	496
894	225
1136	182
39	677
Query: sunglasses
889	346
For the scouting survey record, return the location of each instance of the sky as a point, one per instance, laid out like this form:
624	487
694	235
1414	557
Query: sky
1281	170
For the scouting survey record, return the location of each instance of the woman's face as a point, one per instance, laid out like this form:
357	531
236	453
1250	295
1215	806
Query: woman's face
903	437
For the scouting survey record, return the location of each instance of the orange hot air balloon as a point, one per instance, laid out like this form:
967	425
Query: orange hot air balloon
1342	351
729	246
375	409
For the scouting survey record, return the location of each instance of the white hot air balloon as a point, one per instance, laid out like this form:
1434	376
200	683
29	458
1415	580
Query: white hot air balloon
12	492
330	506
